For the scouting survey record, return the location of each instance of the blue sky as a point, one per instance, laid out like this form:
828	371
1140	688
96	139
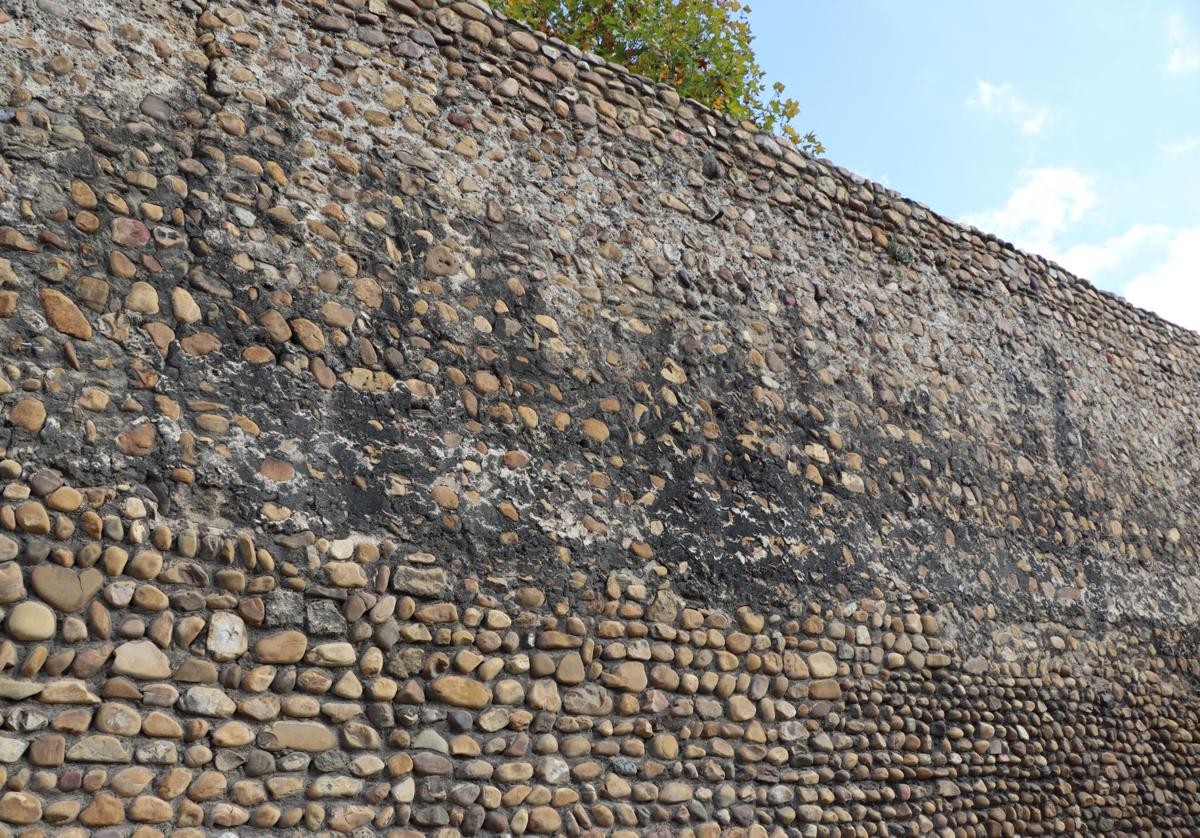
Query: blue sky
1069	128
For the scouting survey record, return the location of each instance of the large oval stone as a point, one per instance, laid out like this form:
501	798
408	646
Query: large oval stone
66	589
31	621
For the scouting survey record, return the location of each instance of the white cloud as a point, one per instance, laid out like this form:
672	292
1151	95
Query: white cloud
1172	287
1181	146
1185	48
1091	260
1040	210
1042	213
1002	99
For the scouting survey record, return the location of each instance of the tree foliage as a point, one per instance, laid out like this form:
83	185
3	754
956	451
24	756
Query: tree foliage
702	48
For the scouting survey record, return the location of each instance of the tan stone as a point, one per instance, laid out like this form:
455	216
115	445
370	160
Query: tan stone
142	298
226	814
141	659
509	691
149	809
543	695
28	413
32	518
20	807
347	819
62	314
461	692
595	430
445	497
308	334
276	326
570	669
544	820
232	735
132	781
104	810
629	676
12	749
822	665
119	719
312	737
346	574
440	261
676	792
437	612
65	499
130	232
31	621
284	647
150	598
137	440
160	725
66	589
147	564
184	306
83	195
751	621
337	653
62	812
99	748
208	786
208	701
173	783
67	691
279	471
741	709
664	746
828	689
12	583
14	690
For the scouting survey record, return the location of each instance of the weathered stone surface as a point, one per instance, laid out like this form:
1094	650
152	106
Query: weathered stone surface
11	749
207	701
99	748
419	581
18	690
12	583
226	636
64	691
419	427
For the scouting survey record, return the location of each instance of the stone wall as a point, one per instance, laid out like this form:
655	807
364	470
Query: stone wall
416	427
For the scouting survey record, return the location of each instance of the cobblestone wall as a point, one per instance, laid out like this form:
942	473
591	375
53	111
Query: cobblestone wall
416	427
